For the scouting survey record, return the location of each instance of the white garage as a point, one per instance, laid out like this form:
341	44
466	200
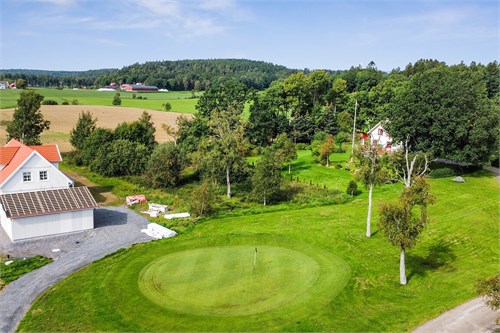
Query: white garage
41	213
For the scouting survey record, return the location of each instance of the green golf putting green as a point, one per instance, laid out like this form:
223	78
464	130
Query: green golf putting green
222	281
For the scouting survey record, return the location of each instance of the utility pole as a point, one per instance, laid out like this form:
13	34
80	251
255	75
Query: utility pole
354	128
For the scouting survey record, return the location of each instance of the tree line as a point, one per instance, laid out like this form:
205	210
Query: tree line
173	75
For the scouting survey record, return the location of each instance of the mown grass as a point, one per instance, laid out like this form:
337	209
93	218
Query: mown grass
458	247
181	101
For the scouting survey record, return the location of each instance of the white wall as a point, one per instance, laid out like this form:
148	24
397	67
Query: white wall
51	224
5	222
35	164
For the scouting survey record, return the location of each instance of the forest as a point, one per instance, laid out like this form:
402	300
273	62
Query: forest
172	75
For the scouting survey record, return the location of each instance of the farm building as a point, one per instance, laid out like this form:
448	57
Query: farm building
36	198
138	88
4	85
378	136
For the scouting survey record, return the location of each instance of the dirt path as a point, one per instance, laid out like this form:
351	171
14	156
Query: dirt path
471	317
102	195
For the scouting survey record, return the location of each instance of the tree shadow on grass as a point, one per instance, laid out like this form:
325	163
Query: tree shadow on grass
440	257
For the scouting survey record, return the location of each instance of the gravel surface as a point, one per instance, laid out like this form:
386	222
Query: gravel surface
115	228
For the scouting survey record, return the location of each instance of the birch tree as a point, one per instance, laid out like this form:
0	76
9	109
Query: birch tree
227	141
400	225
371	171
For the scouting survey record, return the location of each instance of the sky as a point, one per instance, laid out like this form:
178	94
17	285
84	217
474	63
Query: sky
314	34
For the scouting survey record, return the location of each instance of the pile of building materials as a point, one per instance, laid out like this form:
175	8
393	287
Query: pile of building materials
176	215
157	231
135	199
154	210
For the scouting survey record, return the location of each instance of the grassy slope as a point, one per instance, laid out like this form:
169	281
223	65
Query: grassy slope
457	248
181	101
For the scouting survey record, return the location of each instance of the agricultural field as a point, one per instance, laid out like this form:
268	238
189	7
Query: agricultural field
64	117
286	267
181	101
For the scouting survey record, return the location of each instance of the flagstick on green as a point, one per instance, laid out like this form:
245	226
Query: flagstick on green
254	258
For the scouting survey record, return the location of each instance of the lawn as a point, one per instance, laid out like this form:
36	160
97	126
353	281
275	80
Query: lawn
181	101
315	269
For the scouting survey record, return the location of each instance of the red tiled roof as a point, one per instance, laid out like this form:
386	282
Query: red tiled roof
22	153
47	202
49	152
6	154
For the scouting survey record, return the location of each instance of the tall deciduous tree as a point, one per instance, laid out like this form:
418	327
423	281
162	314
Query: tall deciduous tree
326	149
223	96
164	167
227	141
82	131
285	150
266	179
27	121
140	131
371	171
400	225
445	111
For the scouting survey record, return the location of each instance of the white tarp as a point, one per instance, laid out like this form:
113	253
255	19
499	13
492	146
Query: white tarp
175	216
157	231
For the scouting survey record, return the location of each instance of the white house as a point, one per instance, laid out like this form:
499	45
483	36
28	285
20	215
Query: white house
4	85
378	136
36	198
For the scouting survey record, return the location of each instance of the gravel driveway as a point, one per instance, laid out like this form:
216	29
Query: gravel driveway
115	228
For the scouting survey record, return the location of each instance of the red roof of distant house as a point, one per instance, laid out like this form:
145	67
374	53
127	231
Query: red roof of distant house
14	153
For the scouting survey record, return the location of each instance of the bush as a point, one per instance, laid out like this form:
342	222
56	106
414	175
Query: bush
139	97
163	169
203	198
352	188
117	100
49	102
120	158
442	173
338	166
301	146
75	102
65	103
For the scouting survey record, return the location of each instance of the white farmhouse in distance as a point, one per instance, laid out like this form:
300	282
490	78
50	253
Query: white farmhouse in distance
36	198
378	136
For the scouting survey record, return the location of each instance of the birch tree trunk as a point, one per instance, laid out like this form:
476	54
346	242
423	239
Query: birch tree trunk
289	168
228	182
369	217
402	270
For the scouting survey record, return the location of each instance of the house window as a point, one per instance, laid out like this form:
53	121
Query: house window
380	131
26	176
43	175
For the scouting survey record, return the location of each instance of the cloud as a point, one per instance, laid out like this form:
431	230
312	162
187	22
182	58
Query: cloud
110	42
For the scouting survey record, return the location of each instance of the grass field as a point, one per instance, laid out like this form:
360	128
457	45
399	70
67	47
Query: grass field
323	273
180	101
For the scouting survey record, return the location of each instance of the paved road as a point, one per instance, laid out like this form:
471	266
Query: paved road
470	317
116	227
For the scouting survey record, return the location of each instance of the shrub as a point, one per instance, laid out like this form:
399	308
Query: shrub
164	166
203	198
120	158
442	173
139	97
301	146
49	102
117	100
338	166
352	188
65	103
75	102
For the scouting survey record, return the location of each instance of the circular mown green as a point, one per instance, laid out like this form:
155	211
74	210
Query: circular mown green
196	284
222	281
